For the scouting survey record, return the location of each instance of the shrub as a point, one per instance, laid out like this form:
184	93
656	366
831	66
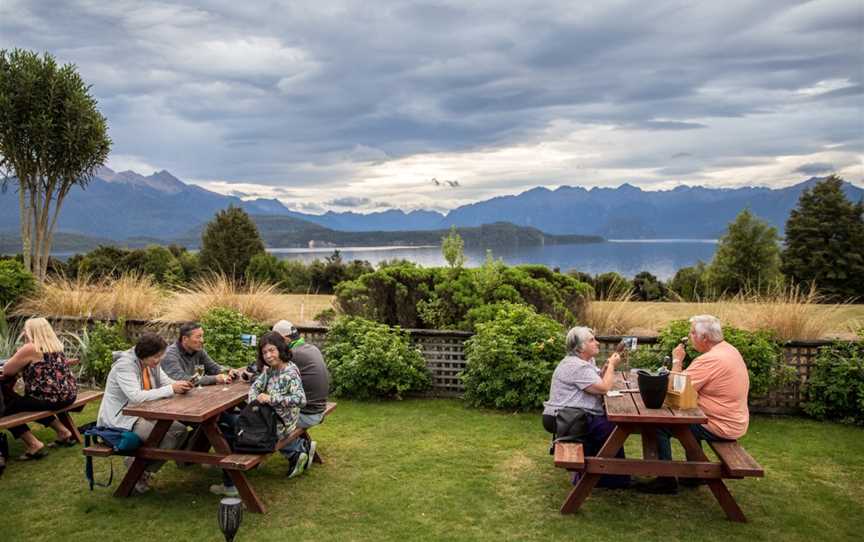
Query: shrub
835	390
15	282
760	350
222	331
510	360
371	360
229	241
97	347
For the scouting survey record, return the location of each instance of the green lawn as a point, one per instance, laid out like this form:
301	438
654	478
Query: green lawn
434	470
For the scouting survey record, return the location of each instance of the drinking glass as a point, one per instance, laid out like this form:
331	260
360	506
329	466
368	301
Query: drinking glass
199	371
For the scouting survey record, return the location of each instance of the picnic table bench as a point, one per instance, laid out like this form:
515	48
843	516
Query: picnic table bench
200	406
631	416
63	414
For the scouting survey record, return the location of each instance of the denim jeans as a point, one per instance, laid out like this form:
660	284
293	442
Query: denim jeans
664	436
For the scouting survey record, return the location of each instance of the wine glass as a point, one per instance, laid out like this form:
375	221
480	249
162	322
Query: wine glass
230	516
199	372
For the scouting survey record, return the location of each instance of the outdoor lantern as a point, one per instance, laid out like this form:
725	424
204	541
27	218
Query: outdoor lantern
230	516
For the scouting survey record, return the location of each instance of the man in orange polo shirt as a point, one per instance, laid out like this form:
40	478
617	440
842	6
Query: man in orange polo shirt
722	383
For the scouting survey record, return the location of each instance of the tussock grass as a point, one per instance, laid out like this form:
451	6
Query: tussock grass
132	296
619	315
259	301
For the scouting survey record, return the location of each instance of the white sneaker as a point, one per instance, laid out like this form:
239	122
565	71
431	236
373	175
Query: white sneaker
300	466
141	486
312	447
221	489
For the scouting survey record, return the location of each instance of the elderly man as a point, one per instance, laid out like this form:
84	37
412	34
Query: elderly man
574	410
722	383
182	357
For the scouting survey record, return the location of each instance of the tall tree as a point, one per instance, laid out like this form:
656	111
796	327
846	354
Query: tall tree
747	257
229	242
825	241
453	248
52	138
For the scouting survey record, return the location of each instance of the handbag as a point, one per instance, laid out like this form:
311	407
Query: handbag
571	424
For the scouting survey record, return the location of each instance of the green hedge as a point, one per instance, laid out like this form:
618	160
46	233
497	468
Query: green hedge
368	360
835	389
222	331
510	360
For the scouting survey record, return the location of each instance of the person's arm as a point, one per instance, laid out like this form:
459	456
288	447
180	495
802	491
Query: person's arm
22	358
172	365
212	370
291	395
257	387
607	381
678	355
129	383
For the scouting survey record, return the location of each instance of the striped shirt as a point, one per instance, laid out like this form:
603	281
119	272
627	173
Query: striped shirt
569	381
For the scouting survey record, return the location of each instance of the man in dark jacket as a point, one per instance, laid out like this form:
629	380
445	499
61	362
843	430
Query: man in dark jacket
182	357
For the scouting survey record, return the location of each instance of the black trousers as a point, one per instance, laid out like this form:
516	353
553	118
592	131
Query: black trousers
24	403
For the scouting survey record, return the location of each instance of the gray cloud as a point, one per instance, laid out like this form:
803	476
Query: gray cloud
814	169
295	97
350	201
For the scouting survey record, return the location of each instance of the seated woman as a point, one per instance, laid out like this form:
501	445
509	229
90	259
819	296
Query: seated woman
136	377
278	384
48	384
578	385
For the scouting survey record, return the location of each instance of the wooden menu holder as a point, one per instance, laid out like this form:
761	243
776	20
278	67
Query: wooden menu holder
680	394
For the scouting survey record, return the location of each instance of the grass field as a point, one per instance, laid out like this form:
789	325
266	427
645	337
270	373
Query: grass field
433	470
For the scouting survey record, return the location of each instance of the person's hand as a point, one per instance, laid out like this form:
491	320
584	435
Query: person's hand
678	354
233	374
263	398
614	360
181	386
246	376
223	379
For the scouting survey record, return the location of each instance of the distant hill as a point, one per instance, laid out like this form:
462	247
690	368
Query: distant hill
125	205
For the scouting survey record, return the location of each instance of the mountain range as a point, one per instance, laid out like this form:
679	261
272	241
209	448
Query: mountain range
129	207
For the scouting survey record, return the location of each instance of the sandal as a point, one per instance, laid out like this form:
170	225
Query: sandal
28	456
63	443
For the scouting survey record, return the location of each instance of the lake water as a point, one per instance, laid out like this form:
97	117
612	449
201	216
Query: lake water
661	257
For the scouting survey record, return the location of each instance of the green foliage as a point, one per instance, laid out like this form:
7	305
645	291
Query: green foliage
453	248
162	265
761	352
611	285
52	137
229	242
689	283
646	287
825	241
97	347
102	262
325	276
368	360
15	282
835	389
222	331
415	297
747	257
510	360
265	268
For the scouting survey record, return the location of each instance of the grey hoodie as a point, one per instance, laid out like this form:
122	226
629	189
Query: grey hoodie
124	386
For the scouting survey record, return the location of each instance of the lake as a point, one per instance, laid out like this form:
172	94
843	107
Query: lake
660	257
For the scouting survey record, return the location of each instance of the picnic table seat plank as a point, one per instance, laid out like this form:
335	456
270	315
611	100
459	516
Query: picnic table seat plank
736	461
84	397
569	455
241	461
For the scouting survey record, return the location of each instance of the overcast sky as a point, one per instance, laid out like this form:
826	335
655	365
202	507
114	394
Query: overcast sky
369	105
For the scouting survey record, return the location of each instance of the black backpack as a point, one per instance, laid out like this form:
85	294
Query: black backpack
256	429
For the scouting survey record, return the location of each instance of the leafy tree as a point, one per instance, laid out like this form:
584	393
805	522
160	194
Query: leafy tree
689	283
264	267
453	248
646	287
296	277
162	265
747	257
103	261
611	285
825	241
229	241
52	138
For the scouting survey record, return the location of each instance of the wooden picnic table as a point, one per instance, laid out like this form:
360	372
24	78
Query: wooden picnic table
631	416
202	406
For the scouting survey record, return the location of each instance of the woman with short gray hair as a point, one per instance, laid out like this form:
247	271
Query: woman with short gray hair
574	411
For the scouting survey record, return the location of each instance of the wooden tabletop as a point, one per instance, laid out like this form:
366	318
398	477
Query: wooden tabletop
197	405
629	408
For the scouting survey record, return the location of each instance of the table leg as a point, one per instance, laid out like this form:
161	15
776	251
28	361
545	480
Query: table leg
649	443
250	499
718	488
137	469
67	421
587	482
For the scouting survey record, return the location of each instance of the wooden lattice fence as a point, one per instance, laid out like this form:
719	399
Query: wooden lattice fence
444	352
